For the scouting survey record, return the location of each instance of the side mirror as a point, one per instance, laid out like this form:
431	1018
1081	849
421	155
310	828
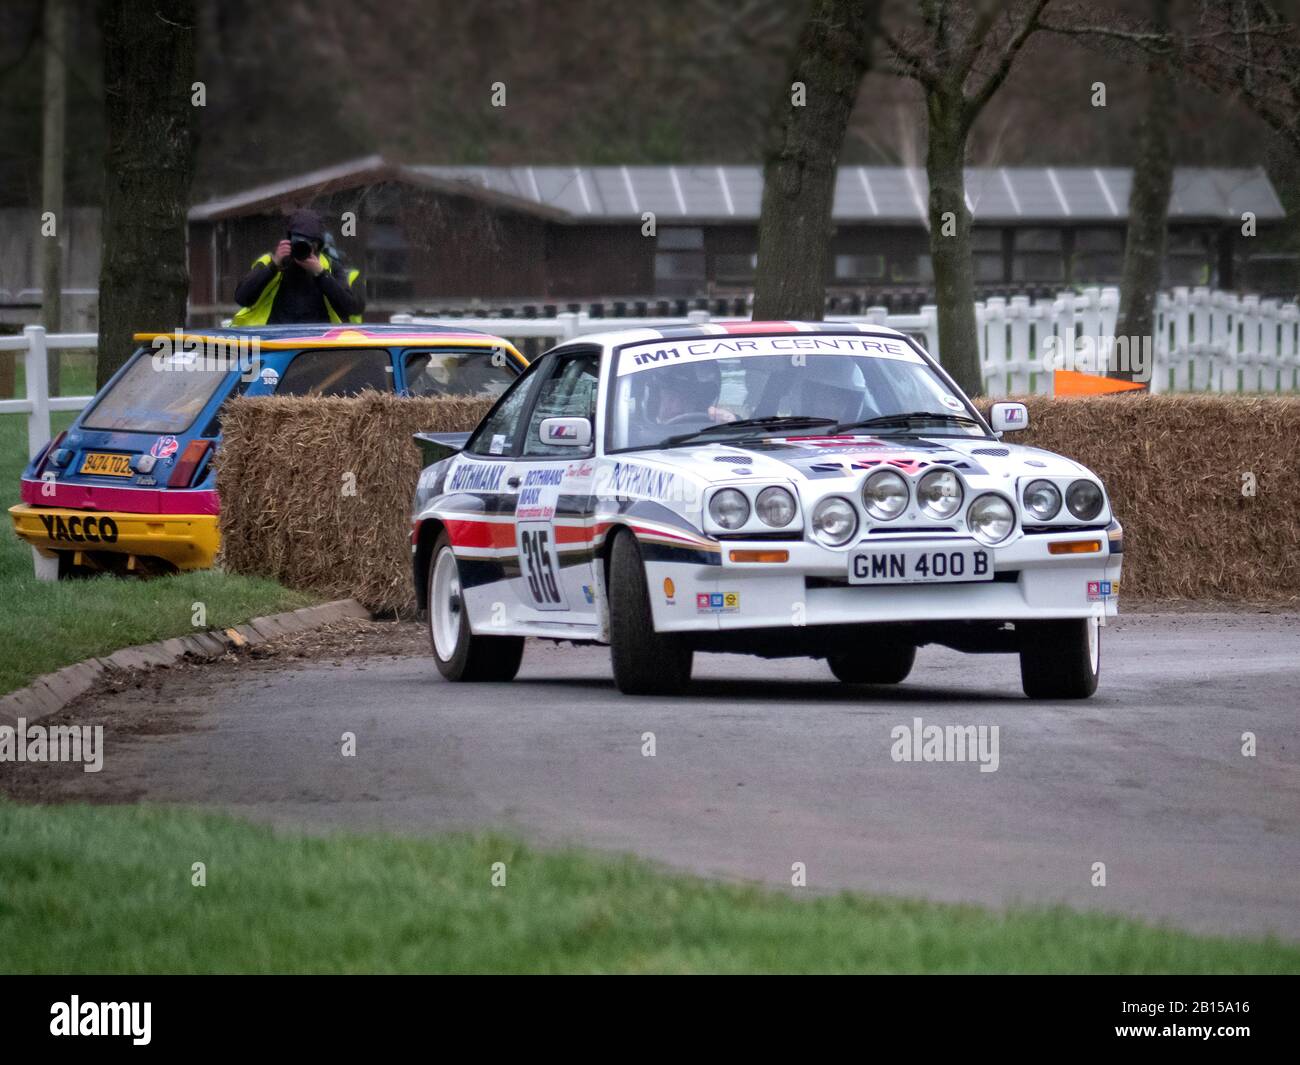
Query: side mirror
565	432
1008	417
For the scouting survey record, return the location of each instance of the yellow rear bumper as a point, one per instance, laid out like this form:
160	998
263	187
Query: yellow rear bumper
187	541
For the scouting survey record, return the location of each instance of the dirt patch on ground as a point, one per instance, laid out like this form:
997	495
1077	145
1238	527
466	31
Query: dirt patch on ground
134	705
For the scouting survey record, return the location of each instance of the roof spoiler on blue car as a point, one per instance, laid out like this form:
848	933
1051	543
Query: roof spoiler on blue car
434	447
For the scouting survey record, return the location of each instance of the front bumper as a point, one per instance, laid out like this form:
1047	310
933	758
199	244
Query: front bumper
812	588
187	541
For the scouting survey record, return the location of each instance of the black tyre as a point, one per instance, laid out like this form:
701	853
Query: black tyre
1060	659
645	662
884	664
459	654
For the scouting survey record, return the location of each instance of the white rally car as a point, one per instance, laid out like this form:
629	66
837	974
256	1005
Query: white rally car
773	488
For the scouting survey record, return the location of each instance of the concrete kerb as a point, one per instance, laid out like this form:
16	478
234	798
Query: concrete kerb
50	693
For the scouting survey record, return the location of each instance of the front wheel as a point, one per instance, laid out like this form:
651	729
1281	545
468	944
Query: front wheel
459	654
1060	659
645	662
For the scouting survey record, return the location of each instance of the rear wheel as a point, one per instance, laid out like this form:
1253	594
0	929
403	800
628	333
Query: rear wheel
887	664
459	654
1060	659
645	662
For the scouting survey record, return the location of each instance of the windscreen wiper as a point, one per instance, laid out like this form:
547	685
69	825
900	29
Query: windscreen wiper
771	421
906	419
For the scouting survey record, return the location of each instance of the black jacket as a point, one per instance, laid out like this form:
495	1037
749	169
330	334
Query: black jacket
301	297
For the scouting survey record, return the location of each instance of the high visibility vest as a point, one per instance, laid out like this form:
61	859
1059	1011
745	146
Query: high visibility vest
260	312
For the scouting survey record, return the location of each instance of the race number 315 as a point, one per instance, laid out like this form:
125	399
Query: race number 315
541	566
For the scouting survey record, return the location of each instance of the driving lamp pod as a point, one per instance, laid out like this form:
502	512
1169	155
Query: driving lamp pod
775	507
885	495
729	508
940	493
1084	499
991	519
834	521
1042	499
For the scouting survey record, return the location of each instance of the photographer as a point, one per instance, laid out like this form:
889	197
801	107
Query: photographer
297	282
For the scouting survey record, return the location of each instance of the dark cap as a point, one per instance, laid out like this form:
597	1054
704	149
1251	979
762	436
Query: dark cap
307	223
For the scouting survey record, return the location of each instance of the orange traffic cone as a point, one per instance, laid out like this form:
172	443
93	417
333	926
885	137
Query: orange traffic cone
1074	383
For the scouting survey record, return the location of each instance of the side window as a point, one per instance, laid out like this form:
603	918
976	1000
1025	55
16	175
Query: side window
477	372
568	392
337	372
498	433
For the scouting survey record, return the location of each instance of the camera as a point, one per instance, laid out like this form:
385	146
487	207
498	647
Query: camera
299	248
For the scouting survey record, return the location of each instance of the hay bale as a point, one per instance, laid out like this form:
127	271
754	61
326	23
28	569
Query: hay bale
316	493
1175	469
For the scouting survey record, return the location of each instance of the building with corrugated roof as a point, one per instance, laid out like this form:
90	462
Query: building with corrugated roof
439	237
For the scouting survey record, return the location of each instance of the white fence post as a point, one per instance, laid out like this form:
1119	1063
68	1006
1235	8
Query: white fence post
994	365
1270	376
1200	356
1250	344
930	313
1289	354
1021	348
37	369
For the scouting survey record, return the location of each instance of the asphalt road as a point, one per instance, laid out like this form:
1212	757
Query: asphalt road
769	763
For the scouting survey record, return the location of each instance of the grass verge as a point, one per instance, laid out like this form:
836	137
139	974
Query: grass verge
108	890
44	625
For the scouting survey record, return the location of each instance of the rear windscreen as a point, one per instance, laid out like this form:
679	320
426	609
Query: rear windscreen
157	395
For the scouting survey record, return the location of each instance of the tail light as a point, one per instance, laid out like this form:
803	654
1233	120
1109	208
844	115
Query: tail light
193	454
49	452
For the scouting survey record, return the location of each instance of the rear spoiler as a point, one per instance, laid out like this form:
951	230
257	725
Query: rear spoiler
434	447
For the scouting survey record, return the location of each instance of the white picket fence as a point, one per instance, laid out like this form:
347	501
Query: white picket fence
1205	342
35	347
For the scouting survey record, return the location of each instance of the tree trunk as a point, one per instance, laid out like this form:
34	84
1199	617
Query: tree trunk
800	158
149	165
950	244
53	139
1148	208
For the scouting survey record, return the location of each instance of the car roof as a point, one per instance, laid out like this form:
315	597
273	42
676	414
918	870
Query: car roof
738	327
281	337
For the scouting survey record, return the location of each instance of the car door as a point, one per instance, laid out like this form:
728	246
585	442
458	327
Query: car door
553	520
478	507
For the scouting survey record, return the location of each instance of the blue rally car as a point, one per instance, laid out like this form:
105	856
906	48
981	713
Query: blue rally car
130	486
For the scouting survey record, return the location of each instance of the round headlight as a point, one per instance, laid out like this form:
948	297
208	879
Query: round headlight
991	519
939	493
834	521
1042	499
1084	499
729	508
775	507
884	494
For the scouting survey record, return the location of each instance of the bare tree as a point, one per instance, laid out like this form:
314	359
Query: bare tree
149	166
960	55
1242	49
805	134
